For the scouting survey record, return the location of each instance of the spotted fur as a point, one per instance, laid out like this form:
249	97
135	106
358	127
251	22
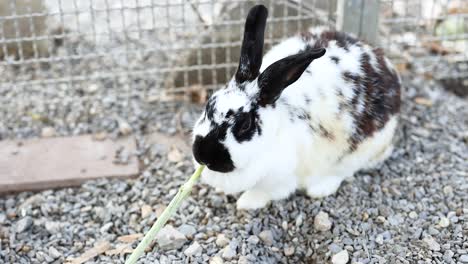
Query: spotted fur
306	118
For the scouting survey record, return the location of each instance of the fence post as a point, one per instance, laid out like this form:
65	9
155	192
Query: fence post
360	17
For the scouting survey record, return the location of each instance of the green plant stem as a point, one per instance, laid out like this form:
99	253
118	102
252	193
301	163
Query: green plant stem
183	192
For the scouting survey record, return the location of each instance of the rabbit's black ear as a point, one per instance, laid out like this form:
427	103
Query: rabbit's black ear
284	72
252	44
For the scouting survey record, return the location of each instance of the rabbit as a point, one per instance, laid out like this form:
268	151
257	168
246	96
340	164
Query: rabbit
317	108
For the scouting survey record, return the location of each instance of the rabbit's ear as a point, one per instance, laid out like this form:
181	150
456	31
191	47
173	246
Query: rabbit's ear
284	72
252	44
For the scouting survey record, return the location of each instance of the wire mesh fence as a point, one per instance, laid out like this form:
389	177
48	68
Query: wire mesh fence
178	45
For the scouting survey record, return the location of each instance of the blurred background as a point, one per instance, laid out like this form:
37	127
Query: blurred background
85	66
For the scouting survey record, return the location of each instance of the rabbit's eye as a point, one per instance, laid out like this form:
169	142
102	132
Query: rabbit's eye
246	124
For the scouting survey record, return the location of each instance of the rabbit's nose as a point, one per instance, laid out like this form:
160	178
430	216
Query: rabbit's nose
210	152
198	151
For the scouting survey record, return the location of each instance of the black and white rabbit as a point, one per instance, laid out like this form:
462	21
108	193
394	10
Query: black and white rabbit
321	106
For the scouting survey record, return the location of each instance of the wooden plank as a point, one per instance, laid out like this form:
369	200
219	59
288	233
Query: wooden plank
61	162
183	143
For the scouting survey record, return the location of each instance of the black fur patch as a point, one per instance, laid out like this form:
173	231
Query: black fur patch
210	107
335	59
252	44
229	113
279	75
246	124
210	151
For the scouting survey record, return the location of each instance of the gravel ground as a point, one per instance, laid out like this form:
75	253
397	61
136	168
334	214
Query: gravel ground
413	209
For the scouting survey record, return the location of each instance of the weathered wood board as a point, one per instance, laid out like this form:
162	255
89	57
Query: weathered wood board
46	163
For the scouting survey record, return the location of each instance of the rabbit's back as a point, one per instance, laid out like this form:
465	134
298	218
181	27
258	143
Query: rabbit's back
348	97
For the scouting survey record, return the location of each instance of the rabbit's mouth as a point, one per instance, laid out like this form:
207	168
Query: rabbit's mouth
222	168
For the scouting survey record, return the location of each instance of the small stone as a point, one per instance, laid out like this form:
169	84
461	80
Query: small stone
444	222
193	250
106	227
334	248
288	251
47	132
170	238
253	240
124	128
54	253
380	219
365	216
2	218
24	224
243	260
431	244
187	230
379	239
222	240
92	88
284	225
216	260
52	227
175	155
341	257
216	201
413	215
322	222
432	231
448	256
146	210
100	136
267	237
448	190
463	259
299	220
423	101
26	249
228	253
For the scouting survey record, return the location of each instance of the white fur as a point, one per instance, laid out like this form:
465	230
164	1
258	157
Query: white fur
287	156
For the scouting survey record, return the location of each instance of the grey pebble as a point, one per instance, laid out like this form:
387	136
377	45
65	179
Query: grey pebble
267	237
193	250
187	230
54	253
170	238
2	218
322	222
222	240
463	259
253	239
216	260
341	257
228	252
23	224
431	243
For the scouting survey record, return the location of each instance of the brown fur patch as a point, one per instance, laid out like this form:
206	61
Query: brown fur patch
343	40
381	91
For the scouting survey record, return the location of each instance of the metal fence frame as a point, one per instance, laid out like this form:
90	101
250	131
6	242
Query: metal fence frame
140	22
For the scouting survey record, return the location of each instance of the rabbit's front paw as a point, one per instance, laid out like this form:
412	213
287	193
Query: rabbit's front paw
324	186
252	199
